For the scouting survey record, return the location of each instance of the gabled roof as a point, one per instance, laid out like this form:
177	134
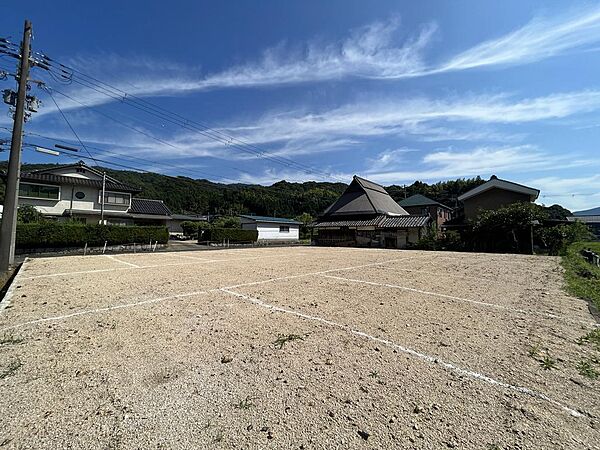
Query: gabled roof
420	200
148	207
497	183
363	197
47	176
588	212
270	219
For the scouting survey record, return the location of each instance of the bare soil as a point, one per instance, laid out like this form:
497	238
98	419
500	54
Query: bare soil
382	349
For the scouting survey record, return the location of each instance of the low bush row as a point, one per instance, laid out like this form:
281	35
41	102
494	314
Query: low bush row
59	235
228	234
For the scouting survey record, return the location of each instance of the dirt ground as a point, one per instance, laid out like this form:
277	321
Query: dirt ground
299	348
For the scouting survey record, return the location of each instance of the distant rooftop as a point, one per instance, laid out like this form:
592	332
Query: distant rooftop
420	200
495	182
270	219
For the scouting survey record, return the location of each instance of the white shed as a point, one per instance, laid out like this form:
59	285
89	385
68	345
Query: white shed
272	228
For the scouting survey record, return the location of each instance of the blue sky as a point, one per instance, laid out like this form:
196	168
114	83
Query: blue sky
392	91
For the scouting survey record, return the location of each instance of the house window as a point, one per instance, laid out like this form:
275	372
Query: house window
80	195
40	191
284	228
117	198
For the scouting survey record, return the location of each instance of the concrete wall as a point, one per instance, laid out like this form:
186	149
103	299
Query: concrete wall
492	199
270	231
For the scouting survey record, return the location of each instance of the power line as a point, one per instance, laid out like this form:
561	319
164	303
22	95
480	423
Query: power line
65	75
69	124
132	100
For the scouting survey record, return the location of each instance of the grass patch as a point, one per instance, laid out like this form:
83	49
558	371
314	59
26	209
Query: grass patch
282	339
583	278
9	339
245	403
548	363
586	368
534	350
593	337
12	367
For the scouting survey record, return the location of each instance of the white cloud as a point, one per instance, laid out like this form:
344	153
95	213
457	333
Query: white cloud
448	164
576	194
541	38
369	52
353	126
389	159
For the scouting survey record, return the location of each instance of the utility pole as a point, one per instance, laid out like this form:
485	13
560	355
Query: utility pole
8	232
102	201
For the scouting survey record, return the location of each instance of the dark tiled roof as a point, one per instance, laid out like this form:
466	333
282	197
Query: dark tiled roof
270	219
50	178
420	200
404	222
347	223
150	207
364	197
381	221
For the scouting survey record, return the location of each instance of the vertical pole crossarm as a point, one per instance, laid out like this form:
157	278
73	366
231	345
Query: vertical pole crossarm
8	230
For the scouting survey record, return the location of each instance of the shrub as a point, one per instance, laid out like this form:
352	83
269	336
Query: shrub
227	222
506	229
59	235
191	228
557	239
28	214
230	234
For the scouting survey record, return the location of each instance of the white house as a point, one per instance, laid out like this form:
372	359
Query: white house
272	228
74	192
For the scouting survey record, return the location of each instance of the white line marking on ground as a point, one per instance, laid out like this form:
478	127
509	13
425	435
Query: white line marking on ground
122	262
103	309
461	299
81	272
409	351
291	277
13	285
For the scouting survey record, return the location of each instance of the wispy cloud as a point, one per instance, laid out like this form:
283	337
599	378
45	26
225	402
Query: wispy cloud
447	164
574	193
371	52
541	38
349	127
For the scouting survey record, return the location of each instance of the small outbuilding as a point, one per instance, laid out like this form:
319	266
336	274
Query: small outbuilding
272	228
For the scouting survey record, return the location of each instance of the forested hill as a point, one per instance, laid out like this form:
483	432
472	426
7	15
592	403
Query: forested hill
186	195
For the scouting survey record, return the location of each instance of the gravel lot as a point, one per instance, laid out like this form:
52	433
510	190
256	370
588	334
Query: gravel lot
380	349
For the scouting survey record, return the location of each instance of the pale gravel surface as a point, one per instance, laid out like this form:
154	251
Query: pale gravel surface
150	375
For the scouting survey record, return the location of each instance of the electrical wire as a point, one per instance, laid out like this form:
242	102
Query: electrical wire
69	124
118	94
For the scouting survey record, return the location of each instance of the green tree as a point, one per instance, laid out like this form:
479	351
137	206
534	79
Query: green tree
507	229
557	212
28	214
227	222
556	239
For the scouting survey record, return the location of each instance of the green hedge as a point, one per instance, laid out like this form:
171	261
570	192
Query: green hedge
59	235
231	234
